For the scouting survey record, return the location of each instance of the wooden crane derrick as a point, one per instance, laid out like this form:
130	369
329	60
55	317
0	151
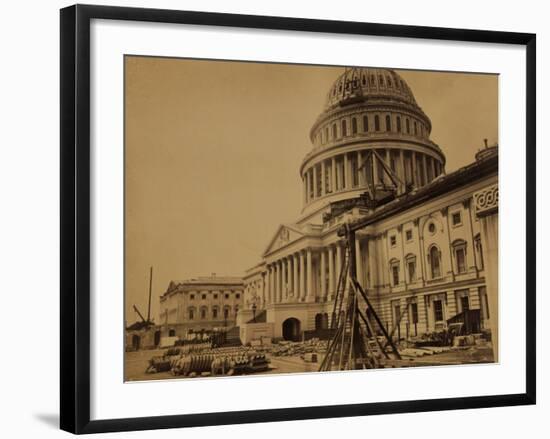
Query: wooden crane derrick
351	347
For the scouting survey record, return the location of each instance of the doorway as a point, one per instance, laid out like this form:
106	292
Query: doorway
291	329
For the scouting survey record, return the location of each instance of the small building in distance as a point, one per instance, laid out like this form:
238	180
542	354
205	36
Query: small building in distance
202	303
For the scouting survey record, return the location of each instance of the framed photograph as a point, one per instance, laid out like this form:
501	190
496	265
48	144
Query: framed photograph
268	219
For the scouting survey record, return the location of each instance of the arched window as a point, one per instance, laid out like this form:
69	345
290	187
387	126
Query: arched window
344	128
388	81
215	312
435	262
353	125
398	121
226	312
204	313
366	124
459	253
191	313
376	123
326	134
380	79
334	131
415	132
364	81
372	80
388	122
408	126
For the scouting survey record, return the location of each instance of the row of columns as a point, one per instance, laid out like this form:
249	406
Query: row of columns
337	174
295	278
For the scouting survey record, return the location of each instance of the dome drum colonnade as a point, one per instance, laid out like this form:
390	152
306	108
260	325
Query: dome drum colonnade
368	109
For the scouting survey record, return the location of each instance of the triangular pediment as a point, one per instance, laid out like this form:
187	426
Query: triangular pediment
286	233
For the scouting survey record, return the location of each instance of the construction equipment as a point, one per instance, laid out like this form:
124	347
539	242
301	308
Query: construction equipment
145	322
350	347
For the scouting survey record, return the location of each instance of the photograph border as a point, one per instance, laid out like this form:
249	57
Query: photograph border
75	221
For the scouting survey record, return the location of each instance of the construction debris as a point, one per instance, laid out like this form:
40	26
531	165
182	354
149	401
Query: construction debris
199	359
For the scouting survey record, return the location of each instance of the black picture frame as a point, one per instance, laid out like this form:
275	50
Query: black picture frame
75	217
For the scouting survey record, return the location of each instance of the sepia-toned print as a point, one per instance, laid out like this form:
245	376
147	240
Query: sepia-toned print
286	218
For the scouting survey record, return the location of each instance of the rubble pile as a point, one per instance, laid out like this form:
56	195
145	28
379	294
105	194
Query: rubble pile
302	349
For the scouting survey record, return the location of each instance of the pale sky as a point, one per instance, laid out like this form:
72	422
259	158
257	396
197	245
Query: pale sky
213	150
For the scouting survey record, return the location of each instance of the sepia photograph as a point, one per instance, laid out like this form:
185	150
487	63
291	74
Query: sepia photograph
292	218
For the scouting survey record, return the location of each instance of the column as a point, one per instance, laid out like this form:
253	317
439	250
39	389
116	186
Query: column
334	185
338	261
432	163
346	179
269	284
388	162
304	183
263	289
296	287
284	292
402	175
303	278
375	169
414	173
358	260
279	281
323	273
360	172
425	166
275	282
330	271
323	186
314	177
309	292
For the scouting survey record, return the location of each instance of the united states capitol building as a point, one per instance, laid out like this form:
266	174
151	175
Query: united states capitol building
428	250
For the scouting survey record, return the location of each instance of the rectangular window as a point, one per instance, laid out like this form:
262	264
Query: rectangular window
409	235
438	310
412	270
456	219
464	303
191	297
204	297
395	275
460	260
393	240
414	313
396	313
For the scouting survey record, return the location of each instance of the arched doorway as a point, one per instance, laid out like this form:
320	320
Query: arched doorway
291	329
